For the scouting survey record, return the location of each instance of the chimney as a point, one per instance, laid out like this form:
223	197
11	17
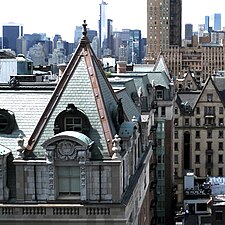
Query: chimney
121	66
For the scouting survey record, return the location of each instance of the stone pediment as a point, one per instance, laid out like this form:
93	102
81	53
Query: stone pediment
68	145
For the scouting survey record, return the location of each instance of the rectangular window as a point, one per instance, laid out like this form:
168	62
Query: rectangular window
159	143
176	159
176	134
197	122
159	94
220	110
186	121
197	159
221	146
176	111
197	110
221	122
209	145
69	181
209	134
197	134
73	124
220	158
209	171
220	172
220	133
197	146
209	97
209	158
159	159
176	122
176	146
163	111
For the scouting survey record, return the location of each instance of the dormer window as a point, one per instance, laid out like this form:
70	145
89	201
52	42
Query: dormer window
72	119
7	121
209	97
159	94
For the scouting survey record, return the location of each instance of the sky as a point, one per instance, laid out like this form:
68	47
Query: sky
61	17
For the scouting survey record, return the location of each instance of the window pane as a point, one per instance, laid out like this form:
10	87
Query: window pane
64	184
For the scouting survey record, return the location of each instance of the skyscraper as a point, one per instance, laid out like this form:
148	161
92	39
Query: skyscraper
163	25
207	23
217	21
103	24
77	35
11	32
188	31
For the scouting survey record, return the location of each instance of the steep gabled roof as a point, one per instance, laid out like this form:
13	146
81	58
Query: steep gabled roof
84	84
160	65
209	80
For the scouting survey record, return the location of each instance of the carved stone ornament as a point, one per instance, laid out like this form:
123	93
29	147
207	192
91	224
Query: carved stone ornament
66	150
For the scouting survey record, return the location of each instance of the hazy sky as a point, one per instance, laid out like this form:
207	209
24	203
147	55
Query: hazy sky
61	17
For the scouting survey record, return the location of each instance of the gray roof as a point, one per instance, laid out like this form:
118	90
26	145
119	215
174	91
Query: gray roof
27	107
190	97
159	78
128	105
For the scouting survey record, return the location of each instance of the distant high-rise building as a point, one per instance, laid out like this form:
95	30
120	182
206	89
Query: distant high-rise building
11	32
55	40
188	31
77	35
206	23
21	45
103	24
201	28
109	34
134	47
33	39
217	21
163	25
91	34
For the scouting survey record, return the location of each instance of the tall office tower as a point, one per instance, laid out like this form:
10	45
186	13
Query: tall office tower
21	45
11	32
134	47
207	23
33	39
201	28
217	21
91	34
110	35
163	25
188	31
55	40
103	24
77	35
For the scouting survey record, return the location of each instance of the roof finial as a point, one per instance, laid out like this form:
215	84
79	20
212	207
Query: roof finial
84	28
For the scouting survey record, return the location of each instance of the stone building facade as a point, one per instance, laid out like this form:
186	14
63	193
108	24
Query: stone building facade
76	153
204	59
199	131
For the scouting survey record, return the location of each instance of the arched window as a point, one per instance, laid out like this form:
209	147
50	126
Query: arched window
72	119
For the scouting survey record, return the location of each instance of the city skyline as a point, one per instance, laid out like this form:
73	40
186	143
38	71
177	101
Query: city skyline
73	15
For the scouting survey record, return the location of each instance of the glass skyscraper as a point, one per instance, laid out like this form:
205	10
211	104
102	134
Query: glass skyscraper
103	24
217	21
207	23
188	31
11	32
